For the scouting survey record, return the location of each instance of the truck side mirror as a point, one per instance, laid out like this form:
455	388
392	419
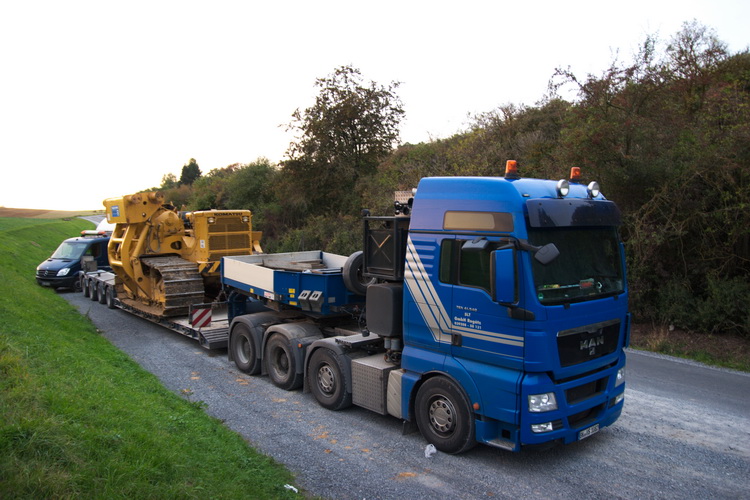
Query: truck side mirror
505	277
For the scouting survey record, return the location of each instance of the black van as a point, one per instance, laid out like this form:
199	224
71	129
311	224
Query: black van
61	269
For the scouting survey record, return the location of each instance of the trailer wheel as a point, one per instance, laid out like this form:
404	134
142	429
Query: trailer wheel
443	416
93	295
101	292
85	286
110	296
243	350
352	274
281	363
325	374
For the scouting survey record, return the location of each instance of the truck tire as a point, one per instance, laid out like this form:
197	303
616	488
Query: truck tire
444	417
110	296
101	292
85	286
93	295
281	363
352	274
325	375
243	350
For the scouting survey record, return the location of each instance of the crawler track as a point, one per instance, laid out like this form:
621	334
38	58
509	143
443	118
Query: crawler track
177	283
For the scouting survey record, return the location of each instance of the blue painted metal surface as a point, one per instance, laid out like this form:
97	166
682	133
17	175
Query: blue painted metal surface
463	333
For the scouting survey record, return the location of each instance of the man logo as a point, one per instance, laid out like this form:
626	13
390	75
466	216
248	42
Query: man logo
591	344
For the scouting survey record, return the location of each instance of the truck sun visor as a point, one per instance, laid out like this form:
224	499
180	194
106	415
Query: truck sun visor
550	212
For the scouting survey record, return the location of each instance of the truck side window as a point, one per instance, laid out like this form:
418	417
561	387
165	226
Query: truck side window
466	268
93	251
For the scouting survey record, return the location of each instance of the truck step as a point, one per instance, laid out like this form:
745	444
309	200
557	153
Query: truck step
356	341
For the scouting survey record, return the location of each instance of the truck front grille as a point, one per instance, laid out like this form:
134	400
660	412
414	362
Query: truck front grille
579	345
585	391
585	417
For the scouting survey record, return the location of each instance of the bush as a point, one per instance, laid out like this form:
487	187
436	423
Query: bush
719	306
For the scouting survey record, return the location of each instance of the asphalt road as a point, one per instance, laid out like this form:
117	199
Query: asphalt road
684	432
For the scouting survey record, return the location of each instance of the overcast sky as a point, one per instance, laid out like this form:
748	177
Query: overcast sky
101	99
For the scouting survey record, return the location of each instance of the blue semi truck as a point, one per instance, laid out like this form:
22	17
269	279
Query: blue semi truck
487	309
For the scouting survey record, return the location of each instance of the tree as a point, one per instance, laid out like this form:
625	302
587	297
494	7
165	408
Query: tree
343	136
168	181
190	172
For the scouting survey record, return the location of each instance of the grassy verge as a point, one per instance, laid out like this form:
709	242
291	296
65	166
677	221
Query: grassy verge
78	418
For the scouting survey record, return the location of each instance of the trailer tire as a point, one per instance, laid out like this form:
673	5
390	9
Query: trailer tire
281	363
325	375
244	351
354	281
85	286
110	296
444	417
93	295
101	292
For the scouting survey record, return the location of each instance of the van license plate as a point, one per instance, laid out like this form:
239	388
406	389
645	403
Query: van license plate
588	432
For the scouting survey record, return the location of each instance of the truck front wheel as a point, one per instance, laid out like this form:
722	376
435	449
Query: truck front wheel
443	416
281	363
243	350
325	374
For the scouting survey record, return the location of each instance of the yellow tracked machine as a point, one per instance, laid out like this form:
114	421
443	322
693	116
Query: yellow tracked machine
165	260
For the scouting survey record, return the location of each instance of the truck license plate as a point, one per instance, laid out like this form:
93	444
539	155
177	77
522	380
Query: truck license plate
588	432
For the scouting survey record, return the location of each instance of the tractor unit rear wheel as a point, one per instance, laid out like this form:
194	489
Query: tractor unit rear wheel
325	375
281	363
243	349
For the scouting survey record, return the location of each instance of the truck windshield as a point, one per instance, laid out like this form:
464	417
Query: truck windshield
70	250
589	266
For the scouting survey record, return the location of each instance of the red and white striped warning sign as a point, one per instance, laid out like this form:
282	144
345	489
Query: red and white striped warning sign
201	317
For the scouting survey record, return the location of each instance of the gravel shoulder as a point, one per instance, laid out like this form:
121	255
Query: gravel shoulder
669	442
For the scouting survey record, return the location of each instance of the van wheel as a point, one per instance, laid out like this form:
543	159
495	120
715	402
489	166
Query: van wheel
325	374
443	416
281	363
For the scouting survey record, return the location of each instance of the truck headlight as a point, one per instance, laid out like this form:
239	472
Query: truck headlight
620	377
542	402
63	272
539	428
617	399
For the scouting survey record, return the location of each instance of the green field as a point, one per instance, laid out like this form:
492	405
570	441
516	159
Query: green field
80	419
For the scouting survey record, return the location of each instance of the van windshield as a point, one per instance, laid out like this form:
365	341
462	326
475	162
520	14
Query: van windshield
72	250
589	266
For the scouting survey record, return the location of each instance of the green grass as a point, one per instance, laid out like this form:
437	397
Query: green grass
78	418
